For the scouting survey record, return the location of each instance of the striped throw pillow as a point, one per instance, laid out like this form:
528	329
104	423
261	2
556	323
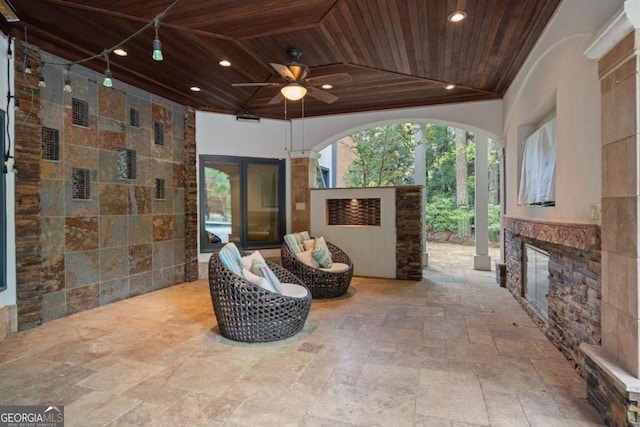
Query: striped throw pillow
230	256
321	253
294	243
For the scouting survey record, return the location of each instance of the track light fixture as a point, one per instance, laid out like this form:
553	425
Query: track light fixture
116	49
157	46
107	82
67	81
27	65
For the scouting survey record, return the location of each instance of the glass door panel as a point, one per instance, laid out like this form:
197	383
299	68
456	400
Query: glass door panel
223	219
263	205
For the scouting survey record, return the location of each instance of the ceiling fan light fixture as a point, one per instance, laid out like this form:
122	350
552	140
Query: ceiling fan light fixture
457	16
293	91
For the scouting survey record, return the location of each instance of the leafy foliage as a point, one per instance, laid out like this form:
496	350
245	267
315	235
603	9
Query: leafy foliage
384	157
444	216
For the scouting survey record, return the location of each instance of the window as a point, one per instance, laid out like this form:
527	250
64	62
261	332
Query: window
126	164
134	118
158	129
81	184
3	208
80	112
50	144
159	189
536	278
242	201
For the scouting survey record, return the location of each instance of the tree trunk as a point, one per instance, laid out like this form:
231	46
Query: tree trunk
462	195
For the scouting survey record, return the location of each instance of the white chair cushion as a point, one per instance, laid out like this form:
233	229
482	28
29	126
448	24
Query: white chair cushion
308	244
293	290
247	261
306	258
260	268
336	267
257	280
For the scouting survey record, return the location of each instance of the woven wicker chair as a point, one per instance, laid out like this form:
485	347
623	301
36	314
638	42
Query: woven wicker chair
323	284
248	313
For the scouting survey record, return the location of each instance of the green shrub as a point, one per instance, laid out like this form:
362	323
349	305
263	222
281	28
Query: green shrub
443	215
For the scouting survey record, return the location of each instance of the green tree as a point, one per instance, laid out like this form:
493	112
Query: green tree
384	157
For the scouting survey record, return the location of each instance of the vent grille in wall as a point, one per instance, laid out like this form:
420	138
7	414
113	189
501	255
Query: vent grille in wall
159	189
81	183
134	118
50	144
80	112
353	212
158	128
126	164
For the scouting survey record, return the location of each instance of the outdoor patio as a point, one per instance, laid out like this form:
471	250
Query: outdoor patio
452	350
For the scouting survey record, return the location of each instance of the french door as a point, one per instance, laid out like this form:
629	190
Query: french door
242	200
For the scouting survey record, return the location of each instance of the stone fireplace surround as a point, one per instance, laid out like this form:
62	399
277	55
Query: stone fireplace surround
574	280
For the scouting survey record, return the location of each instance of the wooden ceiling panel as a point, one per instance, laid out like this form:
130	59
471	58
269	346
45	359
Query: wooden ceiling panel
399	53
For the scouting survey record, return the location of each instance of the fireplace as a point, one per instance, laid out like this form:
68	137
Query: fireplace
553	270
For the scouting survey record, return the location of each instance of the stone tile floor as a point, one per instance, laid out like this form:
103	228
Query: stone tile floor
452	350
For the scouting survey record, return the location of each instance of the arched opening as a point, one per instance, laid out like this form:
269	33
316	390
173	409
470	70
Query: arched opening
460	210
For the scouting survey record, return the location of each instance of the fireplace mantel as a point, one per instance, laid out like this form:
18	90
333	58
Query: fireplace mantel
573	235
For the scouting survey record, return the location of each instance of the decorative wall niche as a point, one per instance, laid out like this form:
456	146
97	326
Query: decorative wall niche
353	212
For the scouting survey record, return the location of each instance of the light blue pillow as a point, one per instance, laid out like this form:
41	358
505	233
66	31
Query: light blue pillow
260	268
321	253
294	243
230	256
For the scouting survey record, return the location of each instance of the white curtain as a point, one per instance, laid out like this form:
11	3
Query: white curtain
538	178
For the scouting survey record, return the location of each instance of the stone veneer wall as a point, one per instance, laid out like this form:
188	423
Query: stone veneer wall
409	232
74	255
574	281
302	174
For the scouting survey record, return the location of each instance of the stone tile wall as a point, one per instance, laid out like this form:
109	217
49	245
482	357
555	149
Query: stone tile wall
122	241
409	232
574	290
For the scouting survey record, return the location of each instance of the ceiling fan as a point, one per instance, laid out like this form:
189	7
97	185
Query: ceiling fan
297	84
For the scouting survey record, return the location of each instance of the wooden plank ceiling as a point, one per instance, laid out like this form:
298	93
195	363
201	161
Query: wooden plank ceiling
399	53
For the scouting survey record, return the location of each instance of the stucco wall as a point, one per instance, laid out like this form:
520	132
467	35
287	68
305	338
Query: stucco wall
222	134
558	77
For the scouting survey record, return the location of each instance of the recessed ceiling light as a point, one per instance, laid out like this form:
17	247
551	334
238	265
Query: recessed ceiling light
450	87
327	86
457	16
120	52
225	63
195	89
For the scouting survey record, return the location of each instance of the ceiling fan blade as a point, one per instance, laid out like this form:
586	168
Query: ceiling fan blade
322	95
255	84
330	79
283	70
276	99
